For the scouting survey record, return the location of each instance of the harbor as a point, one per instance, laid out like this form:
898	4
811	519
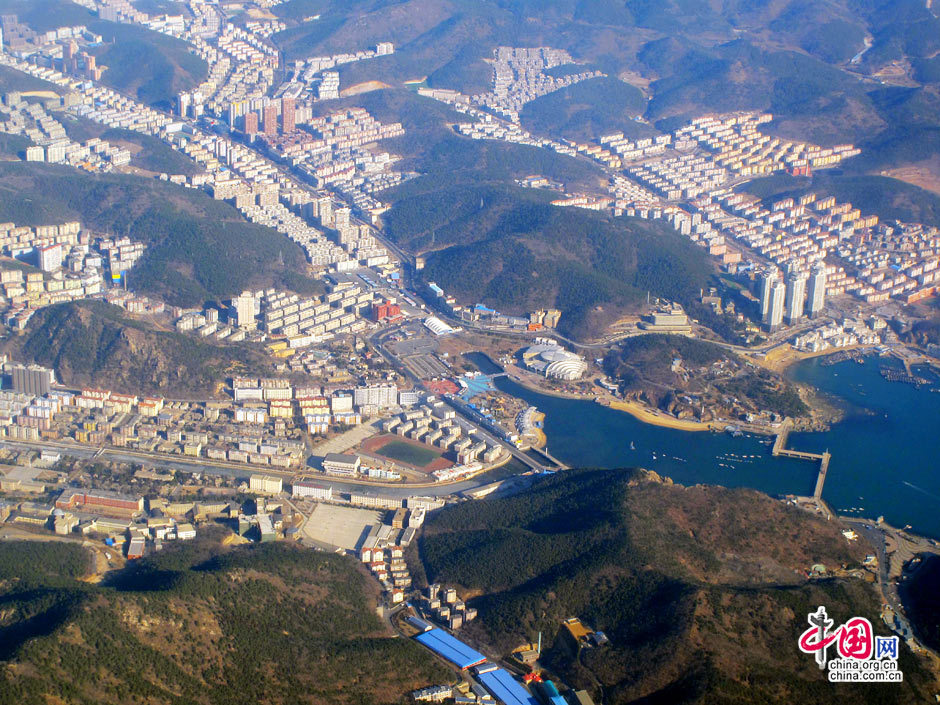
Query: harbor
882	455
780	450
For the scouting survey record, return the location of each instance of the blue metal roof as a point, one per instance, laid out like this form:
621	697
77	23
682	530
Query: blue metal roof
452	649
505	688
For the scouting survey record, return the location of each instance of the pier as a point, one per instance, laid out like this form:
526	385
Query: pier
781	450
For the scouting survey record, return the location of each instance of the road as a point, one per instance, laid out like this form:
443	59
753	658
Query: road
194	465
378	341
890	567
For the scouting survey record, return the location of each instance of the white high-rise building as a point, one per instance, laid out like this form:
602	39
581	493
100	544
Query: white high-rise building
796	292
767	280
183	103
379	395
816	297
244	307
50	257
775	301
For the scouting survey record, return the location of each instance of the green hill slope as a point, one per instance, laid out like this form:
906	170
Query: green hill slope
508	248
199	624
587	110
147	65
198	248
94	343
701	590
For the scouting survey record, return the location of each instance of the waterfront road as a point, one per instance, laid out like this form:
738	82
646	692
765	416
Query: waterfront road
905	547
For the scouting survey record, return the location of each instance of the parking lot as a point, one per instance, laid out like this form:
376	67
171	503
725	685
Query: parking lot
425	366
330	526
419	345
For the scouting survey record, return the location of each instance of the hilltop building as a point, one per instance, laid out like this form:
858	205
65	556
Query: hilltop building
667	319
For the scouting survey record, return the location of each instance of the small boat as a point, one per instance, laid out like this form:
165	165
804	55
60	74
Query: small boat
632	445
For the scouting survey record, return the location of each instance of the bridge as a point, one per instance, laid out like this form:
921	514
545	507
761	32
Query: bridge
545	454
780	450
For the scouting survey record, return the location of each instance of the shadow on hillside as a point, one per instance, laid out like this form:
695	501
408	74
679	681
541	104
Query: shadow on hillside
43	623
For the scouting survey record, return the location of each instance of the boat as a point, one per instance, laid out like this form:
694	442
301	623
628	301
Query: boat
632	445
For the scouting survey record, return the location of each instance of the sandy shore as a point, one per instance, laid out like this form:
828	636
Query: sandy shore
647	415
783	357
540	434
637	410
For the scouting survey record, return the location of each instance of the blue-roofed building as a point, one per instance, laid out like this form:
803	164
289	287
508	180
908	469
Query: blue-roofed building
502	686
451	648
549	693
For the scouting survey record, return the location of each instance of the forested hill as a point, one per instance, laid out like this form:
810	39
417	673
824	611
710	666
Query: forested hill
510	249
92	342
199	625
198	248
702	590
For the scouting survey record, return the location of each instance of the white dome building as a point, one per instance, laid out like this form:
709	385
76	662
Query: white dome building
550	359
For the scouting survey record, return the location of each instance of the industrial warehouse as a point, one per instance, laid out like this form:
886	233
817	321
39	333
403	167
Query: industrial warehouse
497	681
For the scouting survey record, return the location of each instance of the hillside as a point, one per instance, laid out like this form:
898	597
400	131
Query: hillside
43	15
147	65
587	110
197	248
508	248
809	99
148	153
431	148
684	376
888	198
199	624
701	590
818	66
13	80
93	343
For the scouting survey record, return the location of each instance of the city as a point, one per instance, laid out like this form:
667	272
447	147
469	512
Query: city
365	405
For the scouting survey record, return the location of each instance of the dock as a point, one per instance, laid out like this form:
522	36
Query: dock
780	450
821	478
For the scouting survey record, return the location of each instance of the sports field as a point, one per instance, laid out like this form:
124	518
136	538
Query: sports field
419	456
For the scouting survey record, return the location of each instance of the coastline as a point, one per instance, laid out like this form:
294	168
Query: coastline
641	412
647	415
790	356
821	416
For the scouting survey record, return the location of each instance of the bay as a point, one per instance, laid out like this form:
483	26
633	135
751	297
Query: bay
886	452
884	462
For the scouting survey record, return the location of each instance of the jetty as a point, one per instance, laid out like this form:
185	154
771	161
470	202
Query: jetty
780	449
